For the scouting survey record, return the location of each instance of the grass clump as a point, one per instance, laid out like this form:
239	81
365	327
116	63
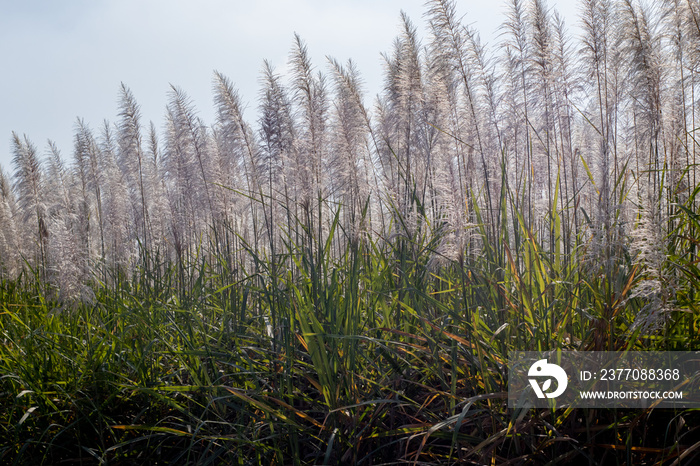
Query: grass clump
381	351
343	286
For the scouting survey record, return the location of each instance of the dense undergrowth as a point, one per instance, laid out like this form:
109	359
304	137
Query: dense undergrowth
377	355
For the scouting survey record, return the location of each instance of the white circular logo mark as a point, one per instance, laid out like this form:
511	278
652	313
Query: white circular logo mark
542	368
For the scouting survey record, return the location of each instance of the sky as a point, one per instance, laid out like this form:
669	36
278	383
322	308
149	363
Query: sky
65	60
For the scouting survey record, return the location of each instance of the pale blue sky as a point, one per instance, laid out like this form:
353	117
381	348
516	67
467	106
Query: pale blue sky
64	60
